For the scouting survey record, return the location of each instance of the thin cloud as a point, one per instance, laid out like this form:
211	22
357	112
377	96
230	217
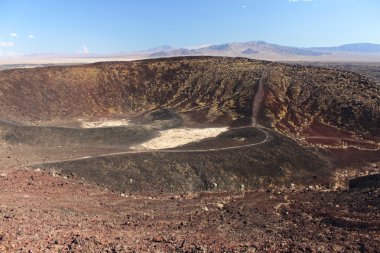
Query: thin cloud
197	46
31	36
6	44
244	6
85	50
13	34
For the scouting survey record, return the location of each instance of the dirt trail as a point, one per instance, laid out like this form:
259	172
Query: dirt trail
266	139
339	138
258	98
359	141
111	151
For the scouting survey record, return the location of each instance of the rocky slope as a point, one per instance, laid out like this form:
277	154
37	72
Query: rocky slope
204	89
300	97
42	213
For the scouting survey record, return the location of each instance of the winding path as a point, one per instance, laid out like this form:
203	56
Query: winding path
177	151
362	142
256	106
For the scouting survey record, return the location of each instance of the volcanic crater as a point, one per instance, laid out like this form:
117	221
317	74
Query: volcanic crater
224	126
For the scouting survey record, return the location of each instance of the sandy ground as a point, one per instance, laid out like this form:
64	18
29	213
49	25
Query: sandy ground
180	136
104	123
28	62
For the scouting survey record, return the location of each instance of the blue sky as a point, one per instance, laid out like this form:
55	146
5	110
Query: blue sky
112	26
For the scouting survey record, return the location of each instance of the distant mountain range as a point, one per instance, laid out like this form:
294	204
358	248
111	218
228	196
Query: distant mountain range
358	48
258	49
252	49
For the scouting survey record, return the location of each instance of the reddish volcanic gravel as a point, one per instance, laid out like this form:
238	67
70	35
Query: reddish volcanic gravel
40	212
